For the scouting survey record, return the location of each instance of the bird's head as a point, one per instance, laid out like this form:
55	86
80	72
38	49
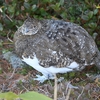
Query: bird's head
30	27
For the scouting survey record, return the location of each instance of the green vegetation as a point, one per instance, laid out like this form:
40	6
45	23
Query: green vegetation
83	12
24	96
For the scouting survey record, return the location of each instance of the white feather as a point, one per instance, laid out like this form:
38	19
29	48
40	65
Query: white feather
34	63
50	70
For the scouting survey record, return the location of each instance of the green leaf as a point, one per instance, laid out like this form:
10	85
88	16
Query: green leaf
17	13
90	15
93	25
43	12
56	7
34	7
98	6
5	50
84	17
64	15
33	96
1	27
27	5
61	2
11	9
8	96
95	11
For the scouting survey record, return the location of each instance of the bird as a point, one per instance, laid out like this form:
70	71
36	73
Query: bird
53	46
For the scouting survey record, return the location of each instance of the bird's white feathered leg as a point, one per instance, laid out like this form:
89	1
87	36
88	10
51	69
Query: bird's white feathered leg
34	62
44	77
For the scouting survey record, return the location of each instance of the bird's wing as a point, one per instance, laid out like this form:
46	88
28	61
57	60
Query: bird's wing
68	42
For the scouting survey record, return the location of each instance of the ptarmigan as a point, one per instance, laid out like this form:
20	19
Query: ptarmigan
55	46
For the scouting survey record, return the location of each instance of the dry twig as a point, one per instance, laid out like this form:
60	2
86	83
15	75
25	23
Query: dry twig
78	98
12	74
55	88
68	94
8	36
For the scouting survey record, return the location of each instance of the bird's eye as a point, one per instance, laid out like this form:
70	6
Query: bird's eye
34	26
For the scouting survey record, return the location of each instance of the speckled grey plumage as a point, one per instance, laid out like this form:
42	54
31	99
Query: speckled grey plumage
56	43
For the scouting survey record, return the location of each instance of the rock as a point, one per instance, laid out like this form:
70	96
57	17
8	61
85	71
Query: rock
13	59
